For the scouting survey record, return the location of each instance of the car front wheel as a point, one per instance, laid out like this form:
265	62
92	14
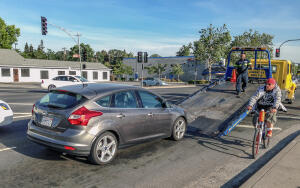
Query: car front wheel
104	149
179	129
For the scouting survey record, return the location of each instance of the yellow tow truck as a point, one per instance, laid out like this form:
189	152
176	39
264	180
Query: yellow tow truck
281	72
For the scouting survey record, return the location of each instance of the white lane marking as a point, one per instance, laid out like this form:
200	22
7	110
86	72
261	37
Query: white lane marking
252	127
5	149
21	116
21	104
16	113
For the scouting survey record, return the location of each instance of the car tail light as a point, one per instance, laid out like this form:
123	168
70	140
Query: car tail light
69	148
82	116
32	109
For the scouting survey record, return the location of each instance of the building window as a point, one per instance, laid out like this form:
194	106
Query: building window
84	74
104	75
25	73
44	75
61	73
95	75
72	72
5	72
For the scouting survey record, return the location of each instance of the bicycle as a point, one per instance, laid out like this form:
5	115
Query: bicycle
260	134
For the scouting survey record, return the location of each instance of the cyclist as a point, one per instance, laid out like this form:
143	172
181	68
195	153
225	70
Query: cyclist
267	97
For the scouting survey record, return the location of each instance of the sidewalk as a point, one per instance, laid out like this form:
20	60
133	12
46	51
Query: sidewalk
281	171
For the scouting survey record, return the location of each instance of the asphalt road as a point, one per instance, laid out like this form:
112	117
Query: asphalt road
197	161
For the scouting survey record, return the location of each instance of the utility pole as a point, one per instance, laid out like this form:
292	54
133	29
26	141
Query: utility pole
72	36
78	42
64	49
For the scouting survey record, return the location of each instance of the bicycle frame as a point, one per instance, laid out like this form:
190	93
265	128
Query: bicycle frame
260	133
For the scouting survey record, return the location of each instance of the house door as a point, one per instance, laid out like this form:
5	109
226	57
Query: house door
16	75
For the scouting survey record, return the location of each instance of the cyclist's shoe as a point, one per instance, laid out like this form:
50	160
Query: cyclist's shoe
269	133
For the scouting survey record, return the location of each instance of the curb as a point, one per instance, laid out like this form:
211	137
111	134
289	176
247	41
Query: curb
268	167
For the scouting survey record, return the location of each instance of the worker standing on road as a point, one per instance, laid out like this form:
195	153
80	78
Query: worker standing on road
241	67
267	97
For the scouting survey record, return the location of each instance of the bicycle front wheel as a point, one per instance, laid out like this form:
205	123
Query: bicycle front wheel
256	143
266	140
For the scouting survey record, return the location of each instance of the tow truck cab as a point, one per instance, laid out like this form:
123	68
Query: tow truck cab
282	73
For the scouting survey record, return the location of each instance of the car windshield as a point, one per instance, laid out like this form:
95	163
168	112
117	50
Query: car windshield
81	78
61	99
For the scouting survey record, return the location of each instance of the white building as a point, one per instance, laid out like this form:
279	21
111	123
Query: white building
15	68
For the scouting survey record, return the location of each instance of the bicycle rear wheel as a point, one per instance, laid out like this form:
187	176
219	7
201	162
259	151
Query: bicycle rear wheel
256	143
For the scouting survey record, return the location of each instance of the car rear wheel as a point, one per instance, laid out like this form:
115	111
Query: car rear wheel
179	129
104	149
51	87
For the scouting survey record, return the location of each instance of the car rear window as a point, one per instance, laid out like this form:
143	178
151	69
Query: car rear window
61	99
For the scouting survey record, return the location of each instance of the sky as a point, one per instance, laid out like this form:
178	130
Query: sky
155	26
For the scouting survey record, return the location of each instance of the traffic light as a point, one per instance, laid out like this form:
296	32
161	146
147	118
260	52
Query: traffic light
140	57
44	25
83	66
277	54
145	57
84	57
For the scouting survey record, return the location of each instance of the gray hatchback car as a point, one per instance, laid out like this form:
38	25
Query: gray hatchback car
95	120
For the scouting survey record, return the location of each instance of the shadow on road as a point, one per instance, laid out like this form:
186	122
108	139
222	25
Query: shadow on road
226	145
14	136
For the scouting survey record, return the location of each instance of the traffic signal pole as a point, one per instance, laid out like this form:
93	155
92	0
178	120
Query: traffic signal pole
278	49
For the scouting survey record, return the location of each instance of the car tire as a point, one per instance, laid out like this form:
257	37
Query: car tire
51	87
104	149
179	129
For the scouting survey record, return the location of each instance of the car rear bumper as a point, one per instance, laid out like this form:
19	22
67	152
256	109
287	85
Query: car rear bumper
55	143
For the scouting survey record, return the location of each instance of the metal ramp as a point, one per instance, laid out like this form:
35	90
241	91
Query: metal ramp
211	110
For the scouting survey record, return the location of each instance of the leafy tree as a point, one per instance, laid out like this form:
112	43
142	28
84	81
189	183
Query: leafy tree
177	70
8	35
51	54
254	39
157	69
185	50
155	55
83	47
213	45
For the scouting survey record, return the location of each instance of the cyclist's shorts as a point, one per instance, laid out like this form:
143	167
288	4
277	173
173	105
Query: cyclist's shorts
270	117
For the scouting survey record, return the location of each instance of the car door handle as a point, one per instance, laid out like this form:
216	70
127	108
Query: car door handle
120	116
150	114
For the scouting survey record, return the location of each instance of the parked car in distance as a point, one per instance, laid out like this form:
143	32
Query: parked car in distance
61	81
154	82
6	113
96	119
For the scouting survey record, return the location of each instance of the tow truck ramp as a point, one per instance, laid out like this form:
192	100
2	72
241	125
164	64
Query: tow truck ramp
216	109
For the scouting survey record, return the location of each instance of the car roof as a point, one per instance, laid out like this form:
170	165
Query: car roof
94	89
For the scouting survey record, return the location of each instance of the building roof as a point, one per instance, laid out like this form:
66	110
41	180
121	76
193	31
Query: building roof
12	58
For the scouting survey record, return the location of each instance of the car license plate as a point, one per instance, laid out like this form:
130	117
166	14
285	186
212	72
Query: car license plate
46	121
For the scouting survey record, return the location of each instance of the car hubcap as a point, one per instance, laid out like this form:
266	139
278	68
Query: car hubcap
179	129
106	148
